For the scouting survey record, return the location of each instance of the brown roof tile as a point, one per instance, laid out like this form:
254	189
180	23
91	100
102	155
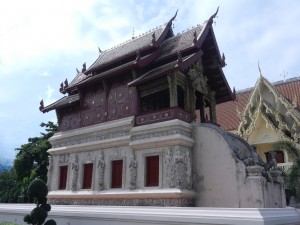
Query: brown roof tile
178	42
127	48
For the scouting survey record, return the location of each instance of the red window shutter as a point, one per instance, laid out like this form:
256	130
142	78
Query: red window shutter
87	176
268	157
116	173
152	171
63	171
279	157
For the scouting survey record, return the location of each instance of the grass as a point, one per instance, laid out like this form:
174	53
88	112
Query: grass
8	223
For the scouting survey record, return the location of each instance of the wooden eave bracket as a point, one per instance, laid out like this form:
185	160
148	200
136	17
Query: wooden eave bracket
195	40
138	56
211	19
41	108
179	59
234	95
184	64
172	19
156	41
223	63
63	87
144	61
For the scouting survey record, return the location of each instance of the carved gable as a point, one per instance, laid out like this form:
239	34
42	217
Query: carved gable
279	114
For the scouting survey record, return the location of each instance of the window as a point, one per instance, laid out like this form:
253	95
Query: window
87	176
155	101
152	171
63	171
180	97
279	157
116	173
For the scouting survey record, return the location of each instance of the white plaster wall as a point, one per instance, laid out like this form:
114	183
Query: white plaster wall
214	170
220	178
155	139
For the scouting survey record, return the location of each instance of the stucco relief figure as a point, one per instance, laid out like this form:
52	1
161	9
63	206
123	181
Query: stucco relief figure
100	167
255	155
50	167
180	169
75	168
254	159
168	162
273	163
188	170
132	168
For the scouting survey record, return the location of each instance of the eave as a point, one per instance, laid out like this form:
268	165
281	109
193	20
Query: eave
63	102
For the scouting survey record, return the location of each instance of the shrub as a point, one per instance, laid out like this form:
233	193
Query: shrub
38	190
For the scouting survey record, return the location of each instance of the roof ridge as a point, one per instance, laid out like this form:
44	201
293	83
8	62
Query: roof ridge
187	30
290	80
135	38
275	83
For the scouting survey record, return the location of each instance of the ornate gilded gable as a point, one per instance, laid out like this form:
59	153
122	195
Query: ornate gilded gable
280	114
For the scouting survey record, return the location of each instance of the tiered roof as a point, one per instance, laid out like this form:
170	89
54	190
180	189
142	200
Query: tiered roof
157	53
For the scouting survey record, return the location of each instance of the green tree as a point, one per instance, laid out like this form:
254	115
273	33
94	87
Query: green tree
8	190
32	158
31	162
292	176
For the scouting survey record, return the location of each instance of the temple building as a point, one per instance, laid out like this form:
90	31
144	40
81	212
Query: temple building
265	114
128	133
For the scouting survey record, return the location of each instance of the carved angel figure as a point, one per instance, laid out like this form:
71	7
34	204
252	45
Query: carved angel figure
100	167
74	167
132	168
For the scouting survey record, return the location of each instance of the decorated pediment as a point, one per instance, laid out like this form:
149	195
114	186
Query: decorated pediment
279	113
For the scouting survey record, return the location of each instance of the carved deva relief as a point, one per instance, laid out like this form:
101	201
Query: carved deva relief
177	163
50	167
132	169
64	158
74	175
100	170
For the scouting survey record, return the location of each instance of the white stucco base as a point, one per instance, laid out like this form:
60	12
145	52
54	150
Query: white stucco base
120	215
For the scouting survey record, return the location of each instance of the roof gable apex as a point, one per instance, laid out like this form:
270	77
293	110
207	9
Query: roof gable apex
279	114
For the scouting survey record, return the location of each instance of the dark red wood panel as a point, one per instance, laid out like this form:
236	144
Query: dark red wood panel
152	171
87	176
116	175
279	157
63	173
98	105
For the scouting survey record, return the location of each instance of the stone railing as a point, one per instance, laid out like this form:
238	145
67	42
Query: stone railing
284	166
163	115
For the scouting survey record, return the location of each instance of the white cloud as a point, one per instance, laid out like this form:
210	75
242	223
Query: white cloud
45	74
49	96
42	42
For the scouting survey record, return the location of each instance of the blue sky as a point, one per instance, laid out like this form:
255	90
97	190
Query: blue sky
42	43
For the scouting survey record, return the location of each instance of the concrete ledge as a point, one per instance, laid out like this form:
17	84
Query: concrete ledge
98	215
124	194
158	142
168	133
93	145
